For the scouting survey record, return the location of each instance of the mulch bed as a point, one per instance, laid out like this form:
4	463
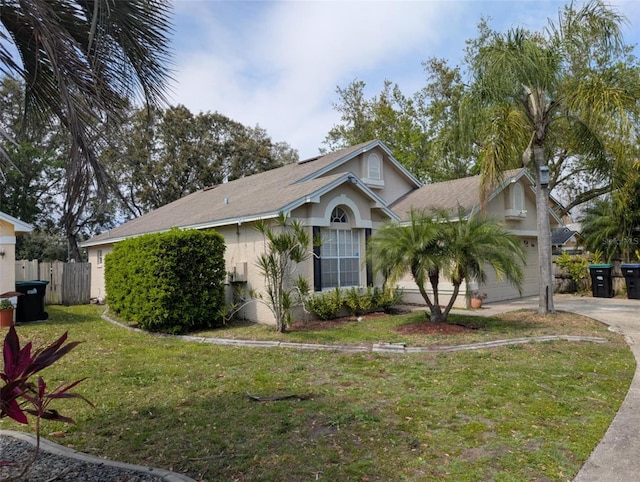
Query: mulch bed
314	325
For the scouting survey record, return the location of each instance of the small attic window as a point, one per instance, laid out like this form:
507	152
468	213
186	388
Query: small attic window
517	197
374	166
338	215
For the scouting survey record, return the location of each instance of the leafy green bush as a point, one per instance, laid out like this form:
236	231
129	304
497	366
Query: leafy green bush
387	298
327	305
360	302
169	282
577	267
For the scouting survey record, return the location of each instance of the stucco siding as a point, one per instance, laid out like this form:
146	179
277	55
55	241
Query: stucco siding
395	183
96	255
500	290
7	261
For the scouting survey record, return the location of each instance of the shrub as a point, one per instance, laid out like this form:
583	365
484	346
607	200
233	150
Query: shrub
170	282
360	302
577	267
387	298
327	305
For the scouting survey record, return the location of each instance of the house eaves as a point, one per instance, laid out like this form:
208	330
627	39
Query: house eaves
463	192
18	226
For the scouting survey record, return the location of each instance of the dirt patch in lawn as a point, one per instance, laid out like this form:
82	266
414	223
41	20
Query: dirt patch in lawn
431	328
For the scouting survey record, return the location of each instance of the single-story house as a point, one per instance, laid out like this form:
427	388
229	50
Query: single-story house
342	196
10	227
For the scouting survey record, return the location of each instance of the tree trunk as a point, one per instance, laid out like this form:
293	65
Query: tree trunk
545	304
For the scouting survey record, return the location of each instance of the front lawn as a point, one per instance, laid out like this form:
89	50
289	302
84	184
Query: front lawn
523	412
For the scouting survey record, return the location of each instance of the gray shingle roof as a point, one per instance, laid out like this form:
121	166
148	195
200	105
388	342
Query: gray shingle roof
258	195
448	195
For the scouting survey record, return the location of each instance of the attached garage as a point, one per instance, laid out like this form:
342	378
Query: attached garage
503	290
512	203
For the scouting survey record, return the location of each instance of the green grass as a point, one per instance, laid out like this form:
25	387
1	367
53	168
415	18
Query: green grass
516	413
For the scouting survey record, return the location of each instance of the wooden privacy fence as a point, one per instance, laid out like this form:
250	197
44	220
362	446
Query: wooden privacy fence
69	283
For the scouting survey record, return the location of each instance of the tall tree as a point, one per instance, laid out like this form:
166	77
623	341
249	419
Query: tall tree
166	154
390	117
525	91
438	107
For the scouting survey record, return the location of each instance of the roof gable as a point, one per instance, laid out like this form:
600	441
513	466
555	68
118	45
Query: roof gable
324	164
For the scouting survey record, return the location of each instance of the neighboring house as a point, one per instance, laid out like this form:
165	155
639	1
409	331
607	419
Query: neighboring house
566	240
10	227
343	197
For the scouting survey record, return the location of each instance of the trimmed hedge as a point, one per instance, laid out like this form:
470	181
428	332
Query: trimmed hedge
170	282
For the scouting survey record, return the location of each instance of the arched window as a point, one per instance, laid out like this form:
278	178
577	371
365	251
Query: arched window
338	215
517	197
374	166
339	260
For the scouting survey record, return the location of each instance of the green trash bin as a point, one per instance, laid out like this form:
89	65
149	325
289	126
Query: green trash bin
631	274
601	280
31	303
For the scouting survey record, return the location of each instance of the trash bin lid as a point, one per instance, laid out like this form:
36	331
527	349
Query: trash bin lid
604	265
31	283
630	265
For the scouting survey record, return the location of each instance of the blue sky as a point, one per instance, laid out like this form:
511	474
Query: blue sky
277	64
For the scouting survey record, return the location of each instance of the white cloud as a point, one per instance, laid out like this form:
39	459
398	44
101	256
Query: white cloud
277	64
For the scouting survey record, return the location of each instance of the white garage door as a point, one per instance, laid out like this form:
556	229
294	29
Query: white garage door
503	290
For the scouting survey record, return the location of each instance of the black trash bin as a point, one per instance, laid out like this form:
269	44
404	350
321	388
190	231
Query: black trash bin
601	280
631	274
31	303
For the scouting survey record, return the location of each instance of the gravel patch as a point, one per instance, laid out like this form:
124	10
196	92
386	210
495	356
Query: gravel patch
53	465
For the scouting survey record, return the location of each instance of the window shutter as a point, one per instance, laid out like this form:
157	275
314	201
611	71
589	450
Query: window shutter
317	271
367	235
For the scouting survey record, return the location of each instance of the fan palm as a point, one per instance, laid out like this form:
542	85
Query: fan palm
528	85
432	244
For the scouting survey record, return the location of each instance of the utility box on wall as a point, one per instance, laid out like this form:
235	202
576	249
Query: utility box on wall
239	273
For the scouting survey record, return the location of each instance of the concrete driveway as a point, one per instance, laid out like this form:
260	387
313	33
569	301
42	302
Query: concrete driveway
617	456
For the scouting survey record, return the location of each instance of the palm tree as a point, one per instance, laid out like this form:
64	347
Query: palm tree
82	61
432	243
473	244
612	225
414	247
528	87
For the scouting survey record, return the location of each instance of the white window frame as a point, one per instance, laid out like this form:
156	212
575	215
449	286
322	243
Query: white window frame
374	167
340	248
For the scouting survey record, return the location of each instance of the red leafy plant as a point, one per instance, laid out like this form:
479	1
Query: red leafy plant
21	396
